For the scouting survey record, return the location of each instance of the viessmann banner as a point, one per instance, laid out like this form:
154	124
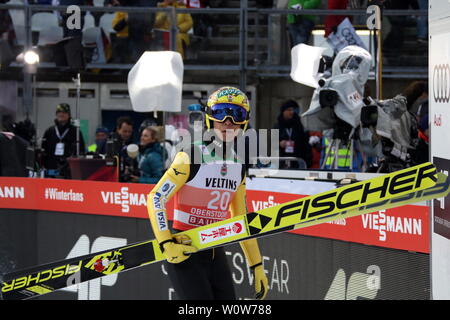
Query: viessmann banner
405	228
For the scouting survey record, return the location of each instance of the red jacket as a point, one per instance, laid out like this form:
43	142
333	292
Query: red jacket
332	21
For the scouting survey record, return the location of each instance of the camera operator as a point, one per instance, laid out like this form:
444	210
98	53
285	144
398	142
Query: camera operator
59	143
121	138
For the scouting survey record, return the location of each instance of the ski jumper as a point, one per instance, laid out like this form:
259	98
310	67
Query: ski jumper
207	189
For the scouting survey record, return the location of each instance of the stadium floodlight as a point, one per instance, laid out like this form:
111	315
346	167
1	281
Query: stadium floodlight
30	60
31	57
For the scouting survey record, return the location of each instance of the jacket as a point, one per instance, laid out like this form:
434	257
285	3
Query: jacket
292	129
151	163
306	4
184	24
120	24
50	139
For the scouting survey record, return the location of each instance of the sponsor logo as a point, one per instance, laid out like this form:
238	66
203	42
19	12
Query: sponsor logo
167	188
12	192
355	98
258	205
221	183
162	221
441	83
223	170
178	172
201	221
43	276
438	120
385	223
124	198
324	206
222	232
157	201
57	194
108	264
230	93
358	285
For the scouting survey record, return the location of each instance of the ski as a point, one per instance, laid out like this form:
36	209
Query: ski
402	187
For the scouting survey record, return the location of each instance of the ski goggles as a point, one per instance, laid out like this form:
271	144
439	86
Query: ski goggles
221	111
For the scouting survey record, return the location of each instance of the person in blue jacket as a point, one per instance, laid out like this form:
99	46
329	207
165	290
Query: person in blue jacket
150	160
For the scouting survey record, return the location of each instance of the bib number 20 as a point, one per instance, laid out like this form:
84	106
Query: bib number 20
220	200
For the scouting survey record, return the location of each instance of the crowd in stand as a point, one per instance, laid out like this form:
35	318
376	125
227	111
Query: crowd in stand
137	32
125	35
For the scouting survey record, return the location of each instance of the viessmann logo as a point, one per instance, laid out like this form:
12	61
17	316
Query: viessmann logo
12	192
441	83
124	198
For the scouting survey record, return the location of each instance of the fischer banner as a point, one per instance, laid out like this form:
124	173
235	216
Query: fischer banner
439	121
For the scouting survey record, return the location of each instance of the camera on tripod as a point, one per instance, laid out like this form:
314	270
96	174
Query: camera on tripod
388	132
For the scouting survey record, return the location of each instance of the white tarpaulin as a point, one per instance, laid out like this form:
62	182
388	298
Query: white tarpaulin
155	82
350	71
305	64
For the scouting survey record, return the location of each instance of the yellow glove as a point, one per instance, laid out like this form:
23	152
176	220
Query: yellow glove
261	282
176	252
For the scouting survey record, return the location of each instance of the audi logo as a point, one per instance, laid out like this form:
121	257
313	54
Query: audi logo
441	83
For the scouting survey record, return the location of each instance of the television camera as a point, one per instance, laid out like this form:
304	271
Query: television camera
378	134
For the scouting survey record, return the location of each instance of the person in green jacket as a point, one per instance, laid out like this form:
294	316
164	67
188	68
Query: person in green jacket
301	26
150	160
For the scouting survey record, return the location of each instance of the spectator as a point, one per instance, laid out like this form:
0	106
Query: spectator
332	21
184	24
59	143
133	30
202	22
101	136
422	23
301	26
124	133
315	141
423	147
121	139
121	44
140	26
294	142
415	93
150	158
394	39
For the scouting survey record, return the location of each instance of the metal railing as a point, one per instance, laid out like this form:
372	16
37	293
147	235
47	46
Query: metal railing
260	67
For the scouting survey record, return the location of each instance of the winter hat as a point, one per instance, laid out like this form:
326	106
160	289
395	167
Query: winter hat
289	104
102	129
63	107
